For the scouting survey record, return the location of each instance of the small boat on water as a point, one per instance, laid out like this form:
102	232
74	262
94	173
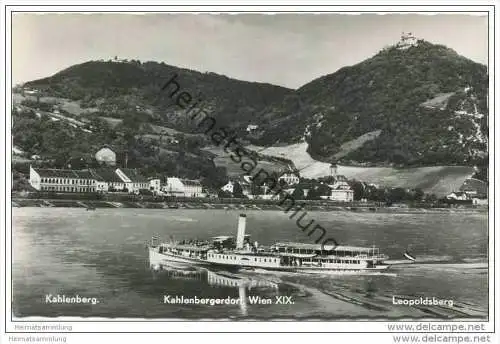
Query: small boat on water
225	251
409	256
90	208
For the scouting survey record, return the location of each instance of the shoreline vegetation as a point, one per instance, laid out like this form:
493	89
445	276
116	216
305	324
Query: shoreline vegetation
66	201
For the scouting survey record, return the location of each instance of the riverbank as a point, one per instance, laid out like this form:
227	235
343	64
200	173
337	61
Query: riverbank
323	206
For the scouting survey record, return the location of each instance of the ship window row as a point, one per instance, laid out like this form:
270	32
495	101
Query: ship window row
222	256
340	261
310	251
265	260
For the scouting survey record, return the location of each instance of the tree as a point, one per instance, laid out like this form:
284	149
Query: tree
397	195
419	194
298	193
237	190
224	194
313	193
371	193
324	190
256	189
430	198
359	190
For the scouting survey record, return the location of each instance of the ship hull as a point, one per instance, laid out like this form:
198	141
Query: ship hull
157	259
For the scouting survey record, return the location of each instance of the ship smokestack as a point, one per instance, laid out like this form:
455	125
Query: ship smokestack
242	222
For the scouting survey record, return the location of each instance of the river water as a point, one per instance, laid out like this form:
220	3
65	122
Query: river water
101	254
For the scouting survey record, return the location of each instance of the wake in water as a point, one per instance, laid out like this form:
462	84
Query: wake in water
182	219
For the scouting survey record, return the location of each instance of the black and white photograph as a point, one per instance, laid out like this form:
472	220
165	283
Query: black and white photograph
263	166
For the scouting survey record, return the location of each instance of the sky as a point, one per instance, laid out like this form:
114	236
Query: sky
283	49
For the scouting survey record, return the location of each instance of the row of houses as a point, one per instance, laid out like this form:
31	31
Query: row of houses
472	189
103	180
339	190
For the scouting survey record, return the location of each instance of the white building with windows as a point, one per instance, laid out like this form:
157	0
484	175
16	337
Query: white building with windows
100	184
192	188
108	180
290	178
134	181
252	127
173	187
457	195
155	185
61	180
183	188
408	40
229	187
341	191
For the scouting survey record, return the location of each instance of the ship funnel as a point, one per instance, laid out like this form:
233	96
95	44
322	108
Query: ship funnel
242	222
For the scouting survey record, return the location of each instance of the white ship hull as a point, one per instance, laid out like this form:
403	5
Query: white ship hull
157	259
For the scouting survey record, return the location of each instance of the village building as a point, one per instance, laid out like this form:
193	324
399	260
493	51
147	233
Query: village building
290	178
100	185
192	188
29	91
246	186
478	201
173	187
457	196
61	180
155	185
211	193
109	181
252	127
474	188
106	155
134	181
340	190
17	151
229	187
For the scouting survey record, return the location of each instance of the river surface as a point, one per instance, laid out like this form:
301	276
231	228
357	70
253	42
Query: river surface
101	254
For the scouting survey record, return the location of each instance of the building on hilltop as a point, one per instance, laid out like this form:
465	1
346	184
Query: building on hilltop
407	40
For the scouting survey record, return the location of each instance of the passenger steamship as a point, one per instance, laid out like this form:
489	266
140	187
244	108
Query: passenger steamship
224	251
